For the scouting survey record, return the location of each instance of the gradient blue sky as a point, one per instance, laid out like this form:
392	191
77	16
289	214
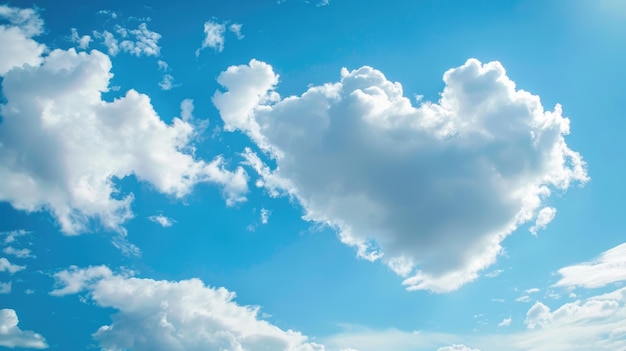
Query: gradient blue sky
415	187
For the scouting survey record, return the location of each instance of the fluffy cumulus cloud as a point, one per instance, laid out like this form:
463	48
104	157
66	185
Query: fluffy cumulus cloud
431	190
175	315
17	28
63	147
12	336
609	267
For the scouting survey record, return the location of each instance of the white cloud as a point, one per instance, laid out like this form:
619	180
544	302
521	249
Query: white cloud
83	42
6	266
163	66
84	144
20	253
176	315
595	324
5	288
532	290
235	28
137	42
11	336
110	13
523	298
457	347
162	220
437	187
494	273
23	25
544	217
323	3
609	267
505	322
265	215
167	83
145	42
213	36
11	236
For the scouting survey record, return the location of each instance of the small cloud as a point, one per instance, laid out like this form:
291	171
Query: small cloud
498	300
163	66
19	253
505	323
109	13
532	290
82	41
235	28
5	288
162	220
265	215
13	235
6	266
167	83
494	274
213	36
523	298
323	3
545	216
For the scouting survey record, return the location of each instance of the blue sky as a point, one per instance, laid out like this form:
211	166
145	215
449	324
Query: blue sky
312	175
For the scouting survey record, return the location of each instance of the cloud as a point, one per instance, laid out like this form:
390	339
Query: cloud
83	42
23	25
457	347
5	288
235	28
6	266
137	42
162	220
11	336
214	32
167	83
213	36
505	322
494	273
176	315
85	144
145	41
109	13
265	215
430	190
544	217
11	236
19	253
595	324
609	267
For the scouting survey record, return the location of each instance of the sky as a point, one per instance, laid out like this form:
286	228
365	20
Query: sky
322	175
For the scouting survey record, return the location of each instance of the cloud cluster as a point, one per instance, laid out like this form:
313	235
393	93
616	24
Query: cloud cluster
431	190
175	315
12	336
63	147
138	42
